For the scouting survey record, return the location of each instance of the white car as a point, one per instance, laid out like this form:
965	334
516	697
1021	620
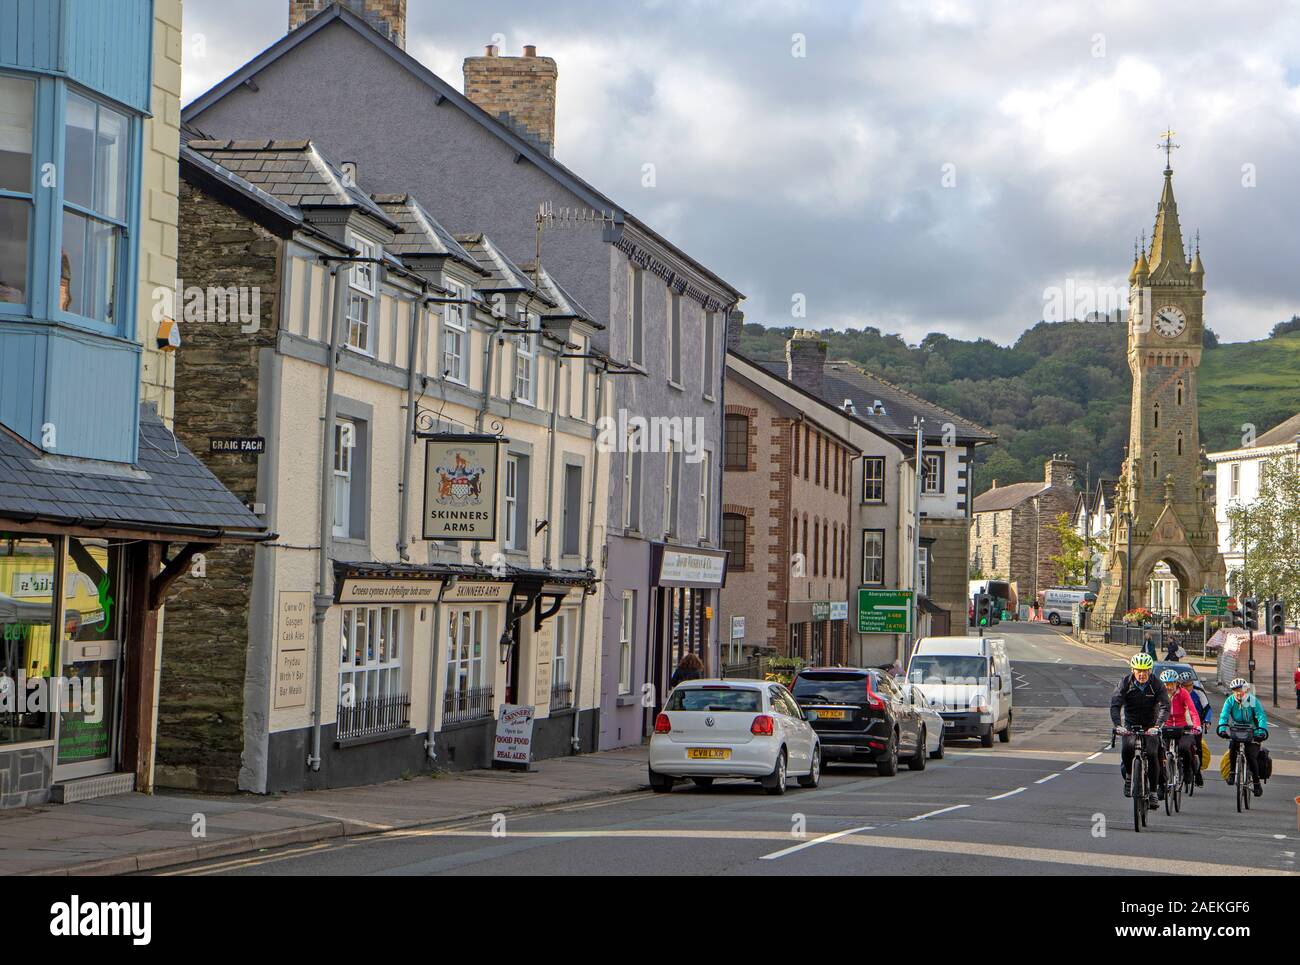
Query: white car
733	728
933	721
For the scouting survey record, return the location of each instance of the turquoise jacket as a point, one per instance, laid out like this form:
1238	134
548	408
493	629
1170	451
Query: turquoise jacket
1251	712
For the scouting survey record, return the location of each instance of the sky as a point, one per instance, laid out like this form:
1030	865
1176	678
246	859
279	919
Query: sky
913	165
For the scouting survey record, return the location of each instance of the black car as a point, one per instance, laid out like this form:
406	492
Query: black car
862	716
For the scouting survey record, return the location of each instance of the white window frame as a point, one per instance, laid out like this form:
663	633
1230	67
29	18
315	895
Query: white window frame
636	315
526	367
710	335
376	672
626	631
1234	476
674	327
923	553
565	621
510	486
462	670
670	521
345	445
873	461
363	292
455	335
932	482
631	463
880	556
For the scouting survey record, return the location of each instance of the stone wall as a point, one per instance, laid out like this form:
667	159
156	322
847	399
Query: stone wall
949	580
201	690
989	530
386	16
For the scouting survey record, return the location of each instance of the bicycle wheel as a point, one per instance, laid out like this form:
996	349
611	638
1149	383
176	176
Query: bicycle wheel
1246	793
1239	772
1169	782
1176	783
1139	791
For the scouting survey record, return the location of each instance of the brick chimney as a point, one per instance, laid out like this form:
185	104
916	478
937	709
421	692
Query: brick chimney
519	91
386	16
1058	469
735	322
805	361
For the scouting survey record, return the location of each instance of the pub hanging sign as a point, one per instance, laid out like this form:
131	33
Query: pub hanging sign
460	486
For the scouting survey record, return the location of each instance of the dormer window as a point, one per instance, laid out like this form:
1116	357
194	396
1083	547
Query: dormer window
362	288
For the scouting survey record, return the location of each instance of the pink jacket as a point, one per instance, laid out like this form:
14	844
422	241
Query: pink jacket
1182	711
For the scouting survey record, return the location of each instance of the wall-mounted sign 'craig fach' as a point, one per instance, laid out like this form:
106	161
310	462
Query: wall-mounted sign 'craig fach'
460	487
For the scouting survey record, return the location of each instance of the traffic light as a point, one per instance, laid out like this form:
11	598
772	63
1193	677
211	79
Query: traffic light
986	610
1276	617
1250	612
1237	619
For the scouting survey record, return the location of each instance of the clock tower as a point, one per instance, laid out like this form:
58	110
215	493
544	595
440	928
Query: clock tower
1161	507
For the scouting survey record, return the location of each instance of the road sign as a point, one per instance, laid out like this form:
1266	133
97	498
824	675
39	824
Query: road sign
1206	604
884	611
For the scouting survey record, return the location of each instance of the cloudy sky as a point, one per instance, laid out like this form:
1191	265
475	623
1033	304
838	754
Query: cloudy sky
915	165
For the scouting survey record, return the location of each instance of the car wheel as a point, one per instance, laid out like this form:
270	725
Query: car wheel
774	783
917	761
1004	735
887	766
814	775
703	781
660	783
986	739
938	755
1054	620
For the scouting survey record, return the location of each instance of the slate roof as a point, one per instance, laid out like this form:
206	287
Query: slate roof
1007	497
566	306
847	380
1281	434
441	91
293	171
168	489
502	274
419	232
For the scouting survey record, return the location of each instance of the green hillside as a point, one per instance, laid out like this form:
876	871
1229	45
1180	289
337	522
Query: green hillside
1062	387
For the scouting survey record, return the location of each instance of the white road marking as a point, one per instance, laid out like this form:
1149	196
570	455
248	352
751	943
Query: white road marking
1093	757
955	807
999	797
1074	765
1044	780
815	841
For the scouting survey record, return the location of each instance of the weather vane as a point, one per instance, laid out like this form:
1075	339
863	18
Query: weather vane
1168	146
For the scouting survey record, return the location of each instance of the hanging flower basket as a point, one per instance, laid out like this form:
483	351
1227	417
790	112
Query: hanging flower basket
1140	616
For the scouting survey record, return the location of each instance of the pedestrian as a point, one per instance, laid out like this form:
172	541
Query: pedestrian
691	668
1297	688
1037	608
1171	650
1149	646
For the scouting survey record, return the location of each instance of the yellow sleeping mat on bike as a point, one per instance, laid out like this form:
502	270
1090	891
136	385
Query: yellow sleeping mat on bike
1225	768
1205	756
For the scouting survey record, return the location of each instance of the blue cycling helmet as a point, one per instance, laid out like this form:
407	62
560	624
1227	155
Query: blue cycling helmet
1169	676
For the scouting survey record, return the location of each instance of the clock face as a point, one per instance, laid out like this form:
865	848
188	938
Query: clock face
1170	321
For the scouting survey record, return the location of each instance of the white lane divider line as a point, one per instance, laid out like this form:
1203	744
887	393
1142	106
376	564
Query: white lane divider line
815	841
930	814
999	797
1092	757
1074	765
1044	780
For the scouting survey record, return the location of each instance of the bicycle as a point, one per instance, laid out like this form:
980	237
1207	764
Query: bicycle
1176	778
1238	734
1139	785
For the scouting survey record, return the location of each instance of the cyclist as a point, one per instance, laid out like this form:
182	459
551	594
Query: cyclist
1183	725
1187	681
1241	708
1145	704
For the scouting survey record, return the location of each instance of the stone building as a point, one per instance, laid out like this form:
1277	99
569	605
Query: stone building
786	519
408	130
1013	533
364	643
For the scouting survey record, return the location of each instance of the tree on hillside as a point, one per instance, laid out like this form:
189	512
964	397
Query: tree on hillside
1268	530
1284	328
1070	566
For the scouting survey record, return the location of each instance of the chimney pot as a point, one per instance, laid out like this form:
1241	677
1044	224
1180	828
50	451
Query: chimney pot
490	50
530	50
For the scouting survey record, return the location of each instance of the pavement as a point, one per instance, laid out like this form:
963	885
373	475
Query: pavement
131	833
1048	803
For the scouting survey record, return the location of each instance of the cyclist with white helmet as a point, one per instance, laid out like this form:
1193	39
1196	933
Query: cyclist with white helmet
1183	725
1242	709
1145	706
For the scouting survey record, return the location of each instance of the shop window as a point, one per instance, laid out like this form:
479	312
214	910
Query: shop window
91	649
466	695
28	565
372	691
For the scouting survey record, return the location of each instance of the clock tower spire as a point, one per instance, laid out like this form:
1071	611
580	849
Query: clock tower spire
1162	498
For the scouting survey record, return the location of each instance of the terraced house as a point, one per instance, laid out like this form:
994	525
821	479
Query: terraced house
485	160
423	413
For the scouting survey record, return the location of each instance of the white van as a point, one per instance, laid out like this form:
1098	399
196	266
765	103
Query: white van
968	681
1059	602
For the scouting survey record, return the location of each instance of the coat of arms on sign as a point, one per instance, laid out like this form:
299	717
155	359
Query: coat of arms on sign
460	483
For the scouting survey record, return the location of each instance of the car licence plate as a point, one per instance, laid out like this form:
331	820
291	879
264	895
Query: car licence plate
830	715
708	753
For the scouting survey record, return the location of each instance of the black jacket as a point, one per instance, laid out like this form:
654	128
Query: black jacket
1144	705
